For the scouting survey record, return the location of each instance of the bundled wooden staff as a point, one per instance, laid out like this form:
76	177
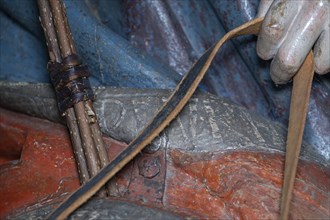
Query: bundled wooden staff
74	94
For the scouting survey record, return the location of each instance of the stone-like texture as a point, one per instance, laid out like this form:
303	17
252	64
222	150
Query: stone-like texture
206	119
228	184
104	208
178	33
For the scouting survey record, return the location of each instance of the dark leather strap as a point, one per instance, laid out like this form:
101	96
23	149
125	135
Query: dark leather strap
70	80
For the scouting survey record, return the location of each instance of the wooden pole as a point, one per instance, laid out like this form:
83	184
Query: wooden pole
81	118
55	56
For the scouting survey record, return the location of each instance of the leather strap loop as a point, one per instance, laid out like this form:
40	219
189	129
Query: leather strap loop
70	80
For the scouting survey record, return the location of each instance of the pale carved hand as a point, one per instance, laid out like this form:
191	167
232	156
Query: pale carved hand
290	30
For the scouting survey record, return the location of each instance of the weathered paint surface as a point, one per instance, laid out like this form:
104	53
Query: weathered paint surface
227	184
146	44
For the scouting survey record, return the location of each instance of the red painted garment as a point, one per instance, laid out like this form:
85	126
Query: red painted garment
37	168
